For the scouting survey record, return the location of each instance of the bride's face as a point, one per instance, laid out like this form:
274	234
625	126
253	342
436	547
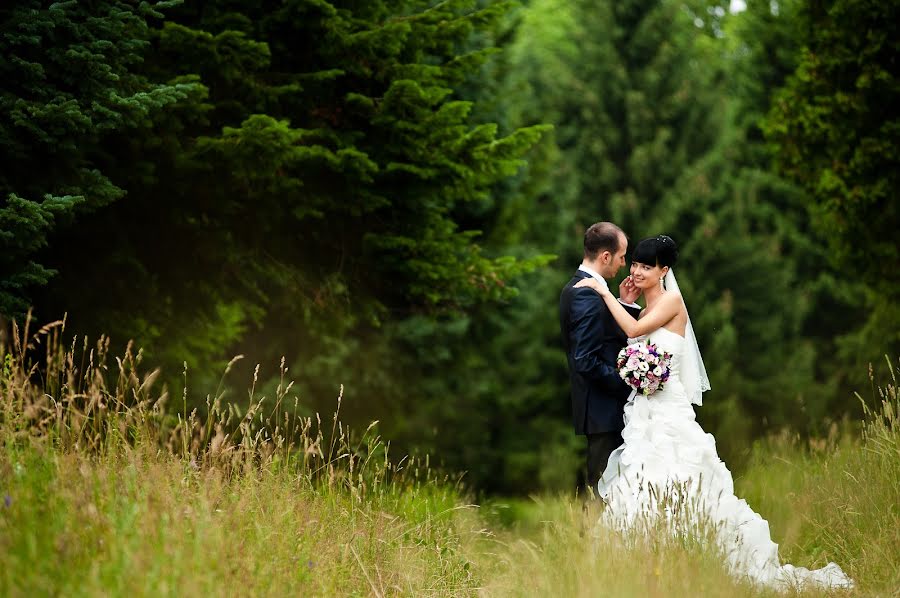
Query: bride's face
646	275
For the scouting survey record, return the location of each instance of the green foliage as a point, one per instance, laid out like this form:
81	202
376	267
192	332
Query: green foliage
71	82
314	186
629	92
497	378
652	133
835	497
492	394
837	132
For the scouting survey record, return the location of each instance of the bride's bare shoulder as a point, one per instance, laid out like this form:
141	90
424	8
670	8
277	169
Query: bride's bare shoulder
672	297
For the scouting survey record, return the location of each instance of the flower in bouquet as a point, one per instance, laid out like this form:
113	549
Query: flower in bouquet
644	367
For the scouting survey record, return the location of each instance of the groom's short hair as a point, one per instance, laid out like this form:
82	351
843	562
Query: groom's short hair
600	237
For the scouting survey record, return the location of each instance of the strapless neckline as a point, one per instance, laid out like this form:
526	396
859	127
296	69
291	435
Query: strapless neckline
681	336
646	336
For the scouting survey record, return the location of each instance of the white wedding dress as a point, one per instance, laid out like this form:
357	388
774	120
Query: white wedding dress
668	464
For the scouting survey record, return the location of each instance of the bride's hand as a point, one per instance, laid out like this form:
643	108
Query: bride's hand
592	283
628	291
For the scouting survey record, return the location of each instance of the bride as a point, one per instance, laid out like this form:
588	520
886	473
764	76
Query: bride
667	462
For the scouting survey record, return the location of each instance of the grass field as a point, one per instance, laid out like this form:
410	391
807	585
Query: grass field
106	494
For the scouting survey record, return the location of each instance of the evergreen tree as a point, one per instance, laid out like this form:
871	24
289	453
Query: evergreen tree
69	83
768	309
836	129
587	70
318	193
658	129
633	106
496	379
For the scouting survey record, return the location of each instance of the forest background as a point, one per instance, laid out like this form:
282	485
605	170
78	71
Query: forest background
390	196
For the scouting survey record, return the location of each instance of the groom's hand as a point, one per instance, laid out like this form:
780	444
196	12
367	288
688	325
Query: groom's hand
628	291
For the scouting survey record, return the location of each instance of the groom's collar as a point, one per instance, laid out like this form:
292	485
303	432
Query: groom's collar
593	274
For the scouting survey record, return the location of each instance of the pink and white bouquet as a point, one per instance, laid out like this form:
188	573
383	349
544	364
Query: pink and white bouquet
644	367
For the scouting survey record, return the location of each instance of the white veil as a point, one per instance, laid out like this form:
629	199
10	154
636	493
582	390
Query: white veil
693	372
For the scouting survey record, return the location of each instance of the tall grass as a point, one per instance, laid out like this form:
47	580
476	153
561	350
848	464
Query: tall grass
106	493
109	486
561	551
832	499
838	498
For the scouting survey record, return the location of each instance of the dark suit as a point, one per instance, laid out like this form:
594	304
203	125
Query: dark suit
592	341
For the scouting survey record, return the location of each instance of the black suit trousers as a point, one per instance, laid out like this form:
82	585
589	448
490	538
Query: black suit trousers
599	448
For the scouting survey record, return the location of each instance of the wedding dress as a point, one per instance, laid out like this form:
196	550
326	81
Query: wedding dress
668	463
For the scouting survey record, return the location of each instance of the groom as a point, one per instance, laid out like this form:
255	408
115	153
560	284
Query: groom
592	341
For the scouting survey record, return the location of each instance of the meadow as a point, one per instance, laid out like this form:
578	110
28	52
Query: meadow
109	489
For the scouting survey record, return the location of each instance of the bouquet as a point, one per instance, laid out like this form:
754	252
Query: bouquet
644	367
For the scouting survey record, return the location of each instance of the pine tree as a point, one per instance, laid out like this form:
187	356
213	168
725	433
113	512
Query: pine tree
744	228
657	128
69	81
836	129
313	196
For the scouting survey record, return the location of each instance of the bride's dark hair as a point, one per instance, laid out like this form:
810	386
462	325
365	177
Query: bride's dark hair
659	250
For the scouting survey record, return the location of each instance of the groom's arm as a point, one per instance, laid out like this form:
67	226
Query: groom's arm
587	332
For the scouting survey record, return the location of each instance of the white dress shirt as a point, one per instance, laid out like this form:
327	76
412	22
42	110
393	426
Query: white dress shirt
603	282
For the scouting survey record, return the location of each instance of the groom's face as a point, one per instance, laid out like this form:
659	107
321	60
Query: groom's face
615	261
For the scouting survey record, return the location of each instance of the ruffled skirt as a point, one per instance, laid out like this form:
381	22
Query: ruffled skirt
668	467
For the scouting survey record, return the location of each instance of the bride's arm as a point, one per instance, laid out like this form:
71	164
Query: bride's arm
659	316
668	307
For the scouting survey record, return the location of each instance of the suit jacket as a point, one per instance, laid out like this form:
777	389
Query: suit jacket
592	341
